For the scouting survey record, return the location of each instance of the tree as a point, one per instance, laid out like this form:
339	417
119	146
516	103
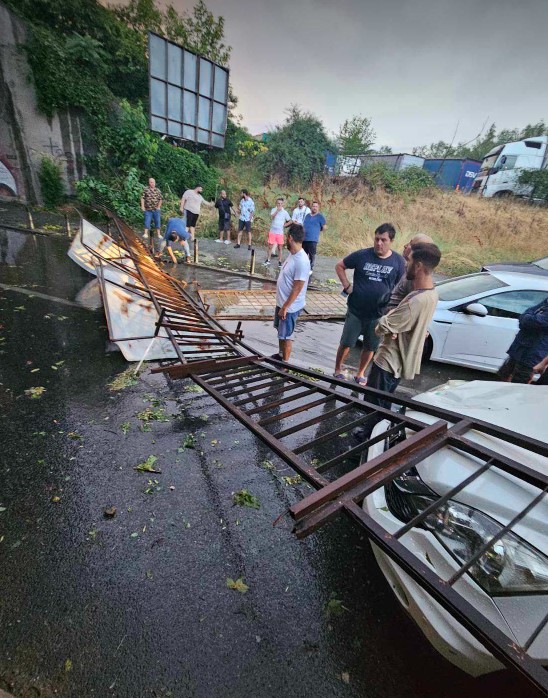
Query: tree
297	149
356	136
384	150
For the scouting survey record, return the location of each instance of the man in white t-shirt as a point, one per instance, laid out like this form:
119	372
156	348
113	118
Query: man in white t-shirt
279	218
301	212
291	291
191	202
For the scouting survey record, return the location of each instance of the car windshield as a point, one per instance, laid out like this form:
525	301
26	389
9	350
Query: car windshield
542	263
465	286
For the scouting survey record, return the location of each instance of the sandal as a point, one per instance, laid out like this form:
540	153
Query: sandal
339	376
360	380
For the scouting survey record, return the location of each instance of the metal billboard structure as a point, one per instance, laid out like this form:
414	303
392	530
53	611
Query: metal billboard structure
188	94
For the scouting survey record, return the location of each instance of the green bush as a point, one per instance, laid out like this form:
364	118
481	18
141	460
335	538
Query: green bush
411	180
537	180
296	151
50	175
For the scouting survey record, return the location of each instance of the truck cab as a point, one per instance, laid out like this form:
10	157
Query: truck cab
501	167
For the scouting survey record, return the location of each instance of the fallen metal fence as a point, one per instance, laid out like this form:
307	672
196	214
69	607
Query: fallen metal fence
307	418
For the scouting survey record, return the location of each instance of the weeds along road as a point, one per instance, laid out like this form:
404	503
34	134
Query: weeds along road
138	603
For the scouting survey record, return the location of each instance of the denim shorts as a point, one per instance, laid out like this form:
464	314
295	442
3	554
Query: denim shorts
355	326
286	327
154	216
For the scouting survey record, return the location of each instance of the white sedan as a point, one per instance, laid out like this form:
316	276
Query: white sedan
508	585
476	319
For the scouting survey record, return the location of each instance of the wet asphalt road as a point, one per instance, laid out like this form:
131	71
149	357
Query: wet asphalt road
138	605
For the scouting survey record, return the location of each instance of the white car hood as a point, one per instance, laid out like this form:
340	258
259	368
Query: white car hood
521	408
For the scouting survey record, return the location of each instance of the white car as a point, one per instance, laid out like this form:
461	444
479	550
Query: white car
508	585
476	318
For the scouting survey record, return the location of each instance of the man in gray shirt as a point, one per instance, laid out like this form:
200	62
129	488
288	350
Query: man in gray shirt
404	287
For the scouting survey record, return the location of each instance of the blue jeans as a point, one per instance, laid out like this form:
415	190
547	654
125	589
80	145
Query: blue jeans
154	216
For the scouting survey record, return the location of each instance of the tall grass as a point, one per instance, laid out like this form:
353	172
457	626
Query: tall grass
469	231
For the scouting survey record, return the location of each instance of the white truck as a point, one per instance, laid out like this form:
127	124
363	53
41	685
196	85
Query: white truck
502	166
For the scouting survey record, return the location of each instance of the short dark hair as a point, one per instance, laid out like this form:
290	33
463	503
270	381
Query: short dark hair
244	191
300	197
316	202
280	198
386	228
296	231
173	235
427	253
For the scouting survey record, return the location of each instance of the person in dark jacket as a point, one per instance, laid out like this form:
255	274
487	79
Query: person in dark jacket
529	347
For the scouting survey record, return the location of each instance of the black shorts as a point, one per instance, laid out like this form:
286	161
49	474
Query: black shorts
244	225
191	219
224	225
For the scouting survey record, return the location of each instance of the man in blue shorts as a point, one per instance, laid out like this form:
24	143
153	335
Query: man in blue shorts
377	270
175	231
291	291
151	204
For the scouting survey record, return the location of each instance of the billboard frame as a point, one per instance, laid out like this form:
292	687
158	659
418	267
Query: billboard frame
196	92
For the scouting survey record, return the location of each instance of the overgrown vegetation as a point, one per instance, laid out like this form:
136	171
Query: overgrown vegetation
537	180
51	182
296	150
410	180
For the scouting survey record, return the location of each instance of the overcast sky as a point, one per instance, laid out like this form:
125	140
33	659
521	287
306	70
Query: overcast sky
415	67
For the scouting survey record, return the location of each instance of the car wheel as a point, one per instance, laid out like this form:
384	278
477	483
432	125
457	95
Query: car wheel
427	349
503	195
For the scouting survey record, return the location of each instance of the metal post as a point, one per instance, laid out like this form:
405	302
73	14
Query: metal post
252	262
67	224
195	250
29	216
108	226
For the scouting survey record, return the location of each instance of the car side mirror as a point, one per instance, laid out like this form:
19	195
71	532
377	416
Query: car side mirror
476	309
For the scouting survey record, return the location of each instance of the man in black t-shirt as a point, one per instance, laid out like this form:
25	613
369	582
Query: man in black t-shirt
224	206
377	270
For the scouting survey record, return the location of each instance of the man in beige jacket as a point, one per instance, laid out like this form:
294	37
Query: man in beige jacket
403	331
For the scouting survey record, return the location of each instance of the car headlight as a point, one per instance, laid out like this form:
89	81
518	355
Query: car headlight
510	566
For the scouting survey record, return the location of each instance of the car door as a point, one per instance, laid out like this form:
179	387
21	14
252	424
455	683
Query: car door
482	342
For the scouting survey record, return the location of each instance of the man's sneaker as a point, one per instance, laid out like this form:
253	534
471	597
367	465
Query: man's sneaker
266	263
249	248
217	240
159	234
310	273
280	264
227	242
145	236
236	246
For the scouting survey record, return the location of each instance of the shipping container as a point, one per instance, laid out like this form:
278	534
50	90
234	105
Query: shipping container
453	173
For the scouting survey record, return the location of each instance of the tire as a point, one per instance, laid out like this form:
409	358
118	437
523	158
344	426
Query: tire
503	195
427	349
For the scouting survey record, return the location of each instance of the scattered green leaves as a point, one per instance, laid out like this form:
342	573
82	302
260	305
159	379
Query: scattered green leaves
237	585
125	427
334	607
153	486
193	388
244	498
153	415
123	380
35	393
68	665
268	465
292	479
148	466
190	441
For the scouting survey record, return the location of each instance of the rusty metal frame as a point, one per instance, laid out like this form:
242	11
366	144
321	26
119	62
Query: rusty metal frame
251	388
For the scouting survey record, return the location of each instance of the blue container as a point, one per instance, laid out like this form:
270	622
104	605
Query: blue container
453	173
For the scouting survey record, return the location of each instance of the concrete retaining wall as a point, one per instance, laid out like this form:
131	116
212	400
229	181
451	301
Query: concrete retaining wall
26	135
